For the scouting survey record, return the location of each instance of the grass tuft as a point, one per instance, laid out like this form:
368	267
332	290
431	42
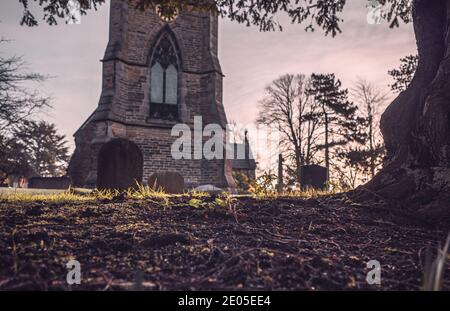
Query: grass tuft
70	195
139	192
143	192
434	270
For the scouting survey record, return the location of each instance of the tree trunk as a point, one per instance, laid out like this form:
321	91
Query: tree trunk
327	148
371	148
416	126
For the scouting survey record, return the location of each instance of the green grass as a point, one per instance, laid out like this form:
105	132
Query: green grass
77	195
141	192
66	196
303	194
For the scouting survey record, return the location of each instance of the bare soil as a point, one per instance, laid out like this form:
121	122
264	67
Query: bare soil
282	244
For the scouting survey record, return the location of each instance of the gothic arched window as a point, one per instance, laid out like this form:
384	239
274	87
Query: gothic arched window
164	82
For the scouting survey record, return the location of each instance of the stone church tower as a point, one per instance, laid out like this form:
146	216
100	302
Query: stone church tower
158	71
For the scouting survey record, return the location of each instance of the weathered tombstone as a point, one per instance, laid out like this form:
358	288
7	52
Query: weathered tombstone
120	165
313	176
169	182
59	183
280	184
208	189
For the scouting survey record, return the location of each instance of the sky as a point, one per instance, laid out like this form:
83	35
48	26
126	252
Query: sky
71	54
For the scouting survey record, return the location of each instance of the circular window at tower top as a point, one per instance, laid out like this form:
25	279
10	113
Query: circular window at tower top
167	12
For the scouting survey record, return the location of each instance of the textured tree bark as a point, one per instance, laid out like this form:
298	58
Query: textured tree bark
327	146
416	126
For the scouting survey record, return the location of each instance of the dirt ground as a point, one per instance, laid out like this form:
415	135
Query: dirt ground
283	244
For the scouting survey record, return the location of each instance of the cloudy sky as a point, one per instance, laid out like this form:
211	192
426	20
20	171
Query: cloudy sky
250	60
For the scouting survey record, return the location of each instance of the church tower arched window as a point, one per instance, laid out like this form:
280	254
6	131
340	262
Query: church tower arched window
164	81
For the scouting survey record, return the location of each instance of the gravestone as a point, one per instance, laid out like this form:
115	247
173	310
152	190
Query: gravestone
59	183
208	189
313	177
120	165
169	182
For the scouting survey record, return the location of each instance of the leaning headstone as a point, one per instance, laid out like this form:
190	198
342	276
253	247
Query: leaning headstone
169	182
313	177
120	165
208	189
60	183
